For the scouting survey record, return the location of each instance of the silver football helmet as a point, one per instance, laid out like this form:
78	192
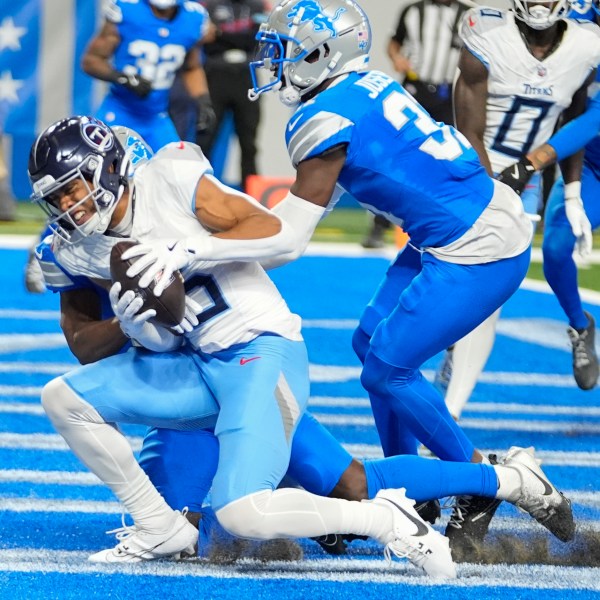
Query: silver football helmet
305	42
540	14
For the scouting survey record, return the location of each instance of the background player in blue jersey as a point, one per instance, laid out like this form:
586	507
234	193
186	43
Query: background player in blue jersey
140	47
571	214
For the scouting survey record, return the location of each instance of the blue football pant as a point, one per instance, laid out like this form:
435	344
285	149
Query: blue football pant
559	242
444	302
181	464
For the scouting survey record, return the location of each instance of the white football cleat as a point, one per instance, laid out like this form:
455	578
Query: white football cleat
414	538
538	496
136	545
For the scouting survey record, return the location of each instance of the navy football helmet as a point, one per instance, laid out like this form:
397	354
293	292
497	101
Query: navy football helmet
305	42
78	148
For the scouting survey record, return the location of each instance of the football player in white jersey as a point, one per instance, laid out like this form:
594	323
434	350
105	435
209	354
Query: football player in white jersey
519	71
243	367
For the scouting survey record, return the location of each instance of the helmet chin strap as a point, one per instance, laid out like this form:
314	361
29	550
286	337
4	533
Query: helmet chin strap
289	96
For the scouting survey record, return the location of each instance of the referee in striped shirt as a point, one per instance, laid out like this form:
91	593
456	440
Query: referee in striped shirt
424	50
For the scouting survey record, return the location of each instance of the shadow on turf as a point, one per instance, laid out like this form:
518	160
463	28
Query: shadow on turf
583	551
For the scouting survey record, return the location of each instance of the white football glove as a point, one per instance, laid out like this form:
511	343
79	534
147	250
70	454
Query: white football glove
580	224
136	325
190	319
127	310
160	259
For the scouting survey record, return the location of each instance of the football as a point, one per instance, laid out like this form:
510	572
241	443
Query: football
169	306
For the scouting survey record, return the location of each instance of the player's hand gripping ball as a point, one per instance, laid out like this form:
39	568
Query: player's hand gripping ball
169	306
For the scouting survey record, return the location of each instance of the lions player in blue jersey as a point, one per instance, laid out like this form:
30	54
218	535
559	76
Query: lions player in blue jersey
572	213
138	50
361	131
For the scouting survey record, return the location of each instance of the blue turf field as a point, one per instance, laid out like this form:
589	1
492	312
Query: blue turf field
53	513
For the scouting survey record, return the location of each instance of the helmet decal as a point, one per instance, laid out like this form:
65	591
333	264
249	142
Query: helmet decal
97	135
311	11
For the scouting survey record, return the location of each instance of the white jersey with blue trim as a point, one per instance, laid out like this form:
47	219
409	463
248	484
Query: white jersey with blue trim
239	300
525	95
400	163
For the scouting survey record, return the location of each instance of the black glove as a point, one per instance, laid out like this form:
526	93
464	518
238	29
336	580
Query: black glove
516	176
207	119
140	86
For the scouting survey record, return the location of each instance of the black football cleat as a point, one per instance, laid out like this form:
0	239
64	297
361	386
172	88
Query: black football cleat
336	543
585	359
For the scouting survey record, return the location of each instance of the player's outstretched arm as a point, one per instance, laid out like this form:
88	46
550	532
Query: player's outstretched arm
310	197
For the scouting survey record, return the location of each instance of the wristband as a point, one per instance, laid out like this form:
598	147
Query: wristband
573	190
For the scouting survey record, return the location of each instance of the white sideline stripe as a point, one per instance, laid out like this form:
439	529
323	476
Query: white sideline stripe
49	477
34	367
21	408
54	442
37	315
20	390
470	577
46	441
466	423
14	342
481	407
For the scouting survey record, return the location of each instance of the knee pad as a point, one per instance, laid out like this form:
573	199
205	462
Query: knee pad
245	517
61	402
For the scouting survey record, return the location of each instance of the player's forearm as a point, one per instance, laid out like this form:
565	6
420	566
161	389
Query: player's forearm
99	67
576	134
571	167
95	340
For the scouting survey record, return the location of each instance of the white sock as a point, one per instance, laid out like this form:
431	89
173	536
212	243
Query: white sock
469	358
509	483
296	513
107	453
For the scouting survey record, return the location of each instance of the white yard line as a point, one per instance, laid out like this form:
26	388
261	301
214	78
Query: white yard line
526	577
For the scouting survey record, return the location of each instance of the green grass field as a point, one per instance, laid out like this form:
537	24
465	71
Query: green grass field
342	225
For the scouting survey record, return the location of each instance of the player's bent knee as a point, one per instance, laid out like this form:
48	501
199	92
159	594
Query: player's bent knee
60	402
246	517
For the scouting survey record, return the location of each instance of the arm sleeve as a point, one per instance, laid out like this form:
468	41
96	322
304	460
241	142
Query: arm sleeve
577	133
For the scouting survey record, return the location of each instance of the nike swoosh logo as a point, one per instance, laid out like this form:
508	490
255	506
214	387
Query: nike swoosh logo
547	487
516	172
293	123
421	527
243	361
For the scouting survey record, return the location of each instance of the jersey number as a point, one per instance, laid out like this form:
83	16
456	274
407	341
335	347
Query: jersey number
399	109
156	63
208	295
540	106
